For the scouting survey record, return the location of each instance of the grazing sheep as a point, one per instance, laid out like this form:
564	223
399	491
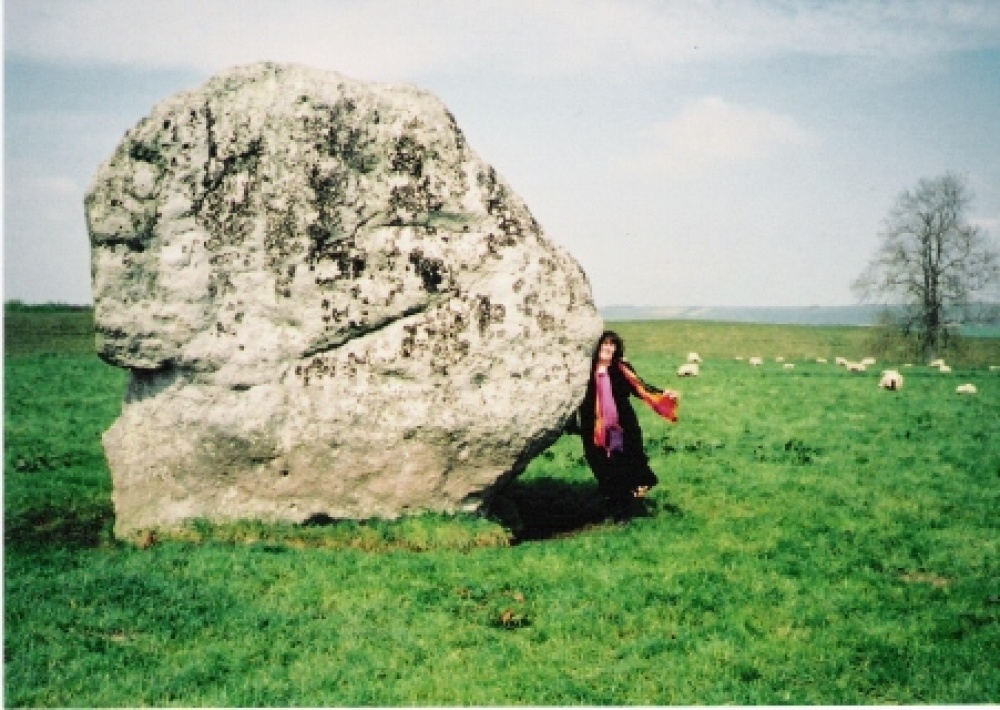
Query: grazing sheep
936	363
739	358
841	361
868	361
688	370
779	359
789	366
694	357
891	380
944	368
756	361
967	388
994	368
821	360
856	367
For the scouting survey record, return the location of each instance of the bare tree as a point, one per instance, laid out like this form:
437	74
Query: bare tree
931	265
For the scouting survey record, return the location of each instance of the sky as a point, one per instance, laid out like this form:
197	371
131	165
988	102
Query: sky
687	153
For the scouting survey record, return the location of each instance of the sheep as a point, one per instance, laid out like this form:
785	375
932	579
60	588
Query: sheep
967	388
688	370
739	358
694	357
891	380
789	366
756	361
936	363
821	360
856	367
944	368
779	359
868	361
841	361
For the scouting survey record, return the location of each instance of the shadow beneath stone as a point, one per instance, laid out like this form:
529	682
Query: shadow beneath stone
545	509
51	526
320	520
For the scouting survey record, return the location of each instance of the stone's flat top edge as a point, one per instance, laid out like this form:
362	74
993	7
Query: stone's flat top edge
275	68
249	69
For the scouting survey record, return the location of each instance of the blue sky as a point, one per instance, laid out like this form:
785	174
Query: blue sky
695	153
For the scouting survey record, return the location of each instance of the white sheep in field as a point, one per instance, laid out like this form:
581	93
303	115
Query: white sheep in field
694	357
756	361
856	367
688	370
868	361
841	361
821	360
779	359
891	380
936	363
967	388
944	368
789	366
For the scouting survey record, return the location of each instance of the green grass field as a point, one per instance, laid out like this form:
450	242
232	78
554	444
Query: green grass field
814	540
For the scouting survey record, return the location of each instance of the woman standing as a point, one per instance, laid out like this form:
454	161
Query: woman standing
612	439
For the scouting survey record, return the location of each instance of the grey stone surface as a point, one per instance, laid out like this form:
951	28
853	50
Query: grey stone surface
328	304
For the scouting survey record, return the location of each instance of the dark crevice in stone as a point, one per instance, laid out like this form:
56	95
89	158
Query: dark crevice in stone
145	383
363	329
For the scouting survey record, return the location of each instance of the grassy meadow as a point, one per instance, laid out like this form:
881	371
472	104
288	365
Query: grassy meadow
814	540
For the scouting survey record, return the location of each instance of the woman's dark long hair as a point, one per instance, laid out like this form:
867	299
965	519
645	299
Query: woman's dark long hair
619	349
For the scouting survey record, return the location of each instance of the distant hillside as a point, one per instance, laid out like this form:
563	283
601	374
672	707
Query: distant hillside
812	315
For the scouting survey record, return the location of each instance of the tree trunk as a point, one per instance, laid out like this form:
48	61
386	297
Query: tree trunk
932	331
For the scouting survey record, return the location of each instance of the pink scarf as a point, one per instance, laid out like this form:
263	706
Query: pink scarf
607	433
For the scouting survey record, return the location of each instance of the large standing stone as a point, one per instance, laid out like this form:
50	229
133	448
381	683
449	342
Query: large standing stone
328	304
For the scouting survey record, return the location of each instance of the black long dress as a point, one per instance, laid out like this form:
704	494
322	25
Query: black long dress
622	472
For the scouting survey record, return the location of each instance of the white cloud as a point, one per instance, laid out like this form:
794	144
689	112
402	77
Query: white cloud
55	202
58	186
711	132
41	210
208	35
987	224
32	194
390	39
